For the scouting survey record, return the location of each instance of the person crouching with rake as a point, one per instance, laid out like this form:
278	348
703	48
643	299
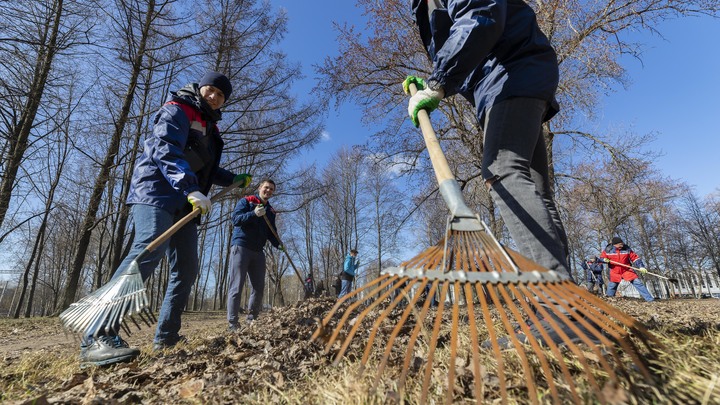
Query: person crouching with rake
593	272
178	166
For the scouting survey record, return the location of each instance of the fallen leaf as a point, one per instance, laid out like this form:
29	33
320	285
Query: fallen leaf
191	388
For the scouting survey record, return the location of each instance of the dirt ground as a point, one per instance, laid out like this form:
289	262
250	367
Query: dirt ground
218	367
29	335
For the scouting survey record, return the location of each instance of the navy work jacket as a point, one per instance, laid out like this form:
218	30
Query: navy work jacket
488	51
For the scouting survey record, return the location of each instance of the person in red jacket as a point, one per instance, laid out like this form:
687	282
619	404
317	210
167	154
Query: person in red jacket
618	251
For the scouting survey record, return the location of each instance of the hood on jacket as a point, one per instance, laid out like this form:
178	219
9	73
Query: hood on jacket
190	94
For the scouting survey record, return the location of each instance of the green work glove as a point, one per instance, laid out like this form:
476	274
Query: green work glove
419	83
642	270
281	248
427	99
605	260
244	179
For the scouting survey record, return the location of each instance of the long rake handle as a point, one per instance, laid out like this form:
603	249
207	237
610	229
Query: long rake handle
272	229
185	220
448	186
437	157
635	268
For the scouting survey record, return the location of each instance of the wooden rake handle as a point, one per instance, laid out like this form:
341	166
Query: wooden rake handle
272	229
437	157
185	220
449	188
674	280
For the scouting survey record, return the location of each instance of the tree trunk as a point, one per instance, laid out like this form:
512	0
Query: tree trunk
21	133
102	179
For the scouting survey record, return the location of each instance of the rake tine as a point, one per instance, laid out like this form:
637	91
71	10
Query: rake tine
125	328
126	309
346	315
629	348
145	313
602	305
134	321
588	325
610	328
391	340
453	348
338	304
82	317
416	332
116	307
147	316
636	327
375	328
364	313
532	340
398	326
474	342
625	342
493	339
529	375
152	316
95	322
555	349
433	342
419	260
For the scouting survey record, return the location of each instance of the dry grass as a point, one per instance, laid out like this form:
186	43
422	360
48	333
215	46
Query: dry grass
273	362
690	373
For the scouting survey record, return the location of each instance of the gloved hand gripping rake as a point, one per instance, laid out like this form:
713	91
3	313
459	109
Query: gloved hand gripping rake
124	296
560	333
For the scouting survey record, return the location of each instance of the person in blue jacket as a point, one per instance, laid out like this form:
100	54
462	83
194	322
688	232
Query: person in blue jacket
178	166
347	276
493	53
250	234
593	272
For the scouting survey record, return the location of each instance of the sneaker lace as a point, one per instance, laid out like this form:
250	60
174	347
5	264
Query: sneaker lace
114	341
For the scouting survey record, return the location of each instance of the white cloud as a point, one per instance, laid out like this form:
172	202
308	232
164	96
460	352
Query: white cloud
325	136
395	165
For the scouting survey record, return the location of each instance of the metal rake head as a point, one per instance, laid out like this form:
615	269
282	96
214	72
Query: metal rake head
122	298
508	333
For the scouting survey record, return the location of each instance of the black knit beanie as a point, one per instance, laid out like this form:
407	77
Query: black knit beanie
616	240
218	80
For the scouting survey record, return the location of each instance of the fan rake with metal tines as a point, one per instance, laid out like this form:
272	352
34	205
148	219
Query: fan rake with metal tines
124	296
516	329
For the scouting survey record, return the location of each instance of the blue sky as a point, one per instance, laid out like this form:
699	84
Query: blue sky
673	91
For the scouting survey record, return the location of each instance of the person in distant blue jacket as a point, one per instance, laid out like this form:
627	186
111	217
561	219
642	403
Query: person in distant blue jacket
250	234
348	274
178	166
593	272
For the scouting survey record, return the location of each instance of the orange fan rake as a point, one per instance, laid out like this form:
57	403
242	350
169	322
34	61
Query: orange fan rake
504	327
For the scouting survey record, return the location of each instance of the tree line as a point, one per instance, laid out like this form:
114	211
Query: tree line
80	82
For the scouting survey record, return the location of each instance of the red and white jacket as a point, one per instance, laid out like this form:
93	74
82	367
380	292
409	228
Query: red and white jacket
624	255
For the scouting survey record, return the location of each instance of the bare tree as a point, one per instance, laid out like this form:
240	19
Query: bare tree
589	38
57	154
702	220
28	49
141	19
